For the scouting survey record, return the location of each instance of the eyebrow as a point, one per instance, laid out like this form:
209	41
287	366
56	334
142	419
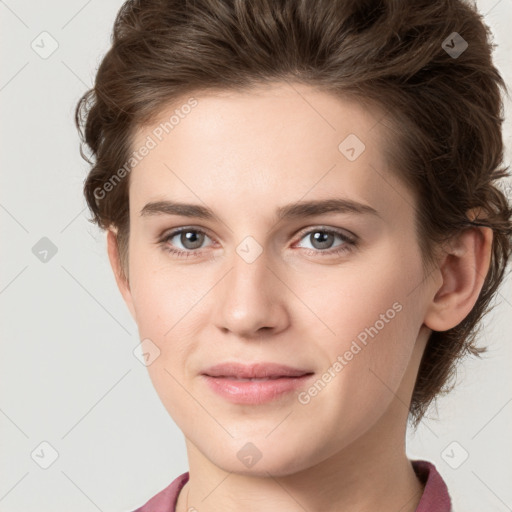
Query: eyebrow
291	211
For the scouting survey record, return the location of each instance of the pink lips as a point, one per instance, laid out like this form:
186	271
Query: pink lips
277	379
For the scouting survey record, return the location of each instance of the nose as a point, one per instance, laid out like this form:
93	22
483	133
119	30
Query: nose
251	299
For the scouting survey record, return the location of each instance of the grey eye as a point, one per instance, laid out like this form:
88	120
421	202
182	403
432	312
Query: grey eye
191	239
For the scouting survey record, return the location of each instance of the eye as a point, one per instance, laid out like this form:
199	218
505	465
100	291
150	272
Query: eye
190	238
322	238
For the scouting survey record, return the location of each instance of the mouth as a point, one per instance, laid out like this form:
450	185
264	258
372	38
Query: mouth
255	384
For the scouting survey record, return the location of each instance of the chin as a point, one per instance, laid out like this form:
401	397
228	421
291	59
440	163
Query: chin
260	458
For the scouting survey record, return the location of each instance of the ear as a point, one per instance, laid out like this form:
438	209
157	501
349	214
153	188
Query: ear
115	263
464	267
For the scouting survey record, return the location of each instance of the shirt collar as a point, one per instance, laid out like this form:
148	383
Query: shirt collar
435	497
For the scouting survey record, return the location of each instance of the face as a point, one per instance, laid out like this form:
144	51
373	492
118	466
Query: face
335	292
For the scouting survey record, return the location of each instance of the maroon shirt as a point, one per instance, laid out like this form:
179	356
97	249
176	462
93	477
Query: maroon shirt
435	496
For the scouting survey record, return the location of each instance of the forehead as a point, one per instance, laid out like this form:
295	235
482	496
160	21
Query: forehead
269	145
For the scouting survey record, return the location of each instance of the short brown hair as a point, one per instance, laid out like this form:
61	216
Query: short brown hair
444	110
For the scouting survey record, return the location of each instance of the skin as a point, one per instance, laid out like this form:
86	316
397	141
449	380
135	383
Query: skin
244	155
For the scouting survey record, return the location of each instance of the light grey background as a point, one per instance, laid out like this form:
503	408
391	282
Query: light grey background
68	373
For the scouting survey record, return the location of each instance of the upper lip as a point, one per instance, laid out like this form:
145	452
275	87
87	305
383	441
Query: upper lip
253	371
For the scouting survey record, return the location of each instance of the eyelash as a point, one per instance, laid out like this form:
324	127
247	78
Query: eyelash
349	245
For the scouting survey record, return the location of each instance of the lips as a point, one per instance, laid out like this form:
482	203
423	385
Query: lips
255	384
255	371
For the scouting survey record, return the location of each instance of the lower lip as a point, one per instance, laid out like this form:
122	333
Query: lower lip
254	392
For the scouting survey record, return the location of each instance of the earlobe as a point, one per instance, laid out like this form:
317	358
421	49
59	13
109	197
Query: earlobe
463	268
115	263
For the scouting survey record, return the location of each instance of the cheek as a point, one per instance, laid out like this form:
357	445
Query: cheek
167	302
373	316
165	305
162	293
352	298
365	360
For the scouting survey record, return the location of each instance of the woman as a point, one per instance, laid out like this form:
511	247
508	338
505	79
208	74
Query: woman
302	216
